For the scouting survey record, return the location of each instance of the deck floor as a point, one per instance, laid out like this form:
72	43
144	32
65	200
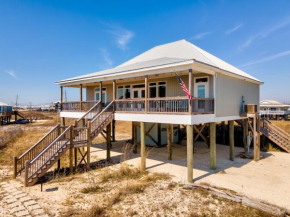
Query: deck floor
267	180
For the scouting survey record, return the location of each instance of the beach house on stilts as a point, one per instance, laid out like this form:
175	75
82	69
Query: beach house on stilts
167	86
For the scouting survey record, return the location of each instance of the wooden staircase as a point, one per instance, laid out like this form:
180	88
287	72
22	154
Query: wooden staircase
276	134
37	160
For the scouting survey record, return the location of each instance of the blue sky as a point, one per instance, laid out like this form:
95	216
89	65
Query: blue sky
45	41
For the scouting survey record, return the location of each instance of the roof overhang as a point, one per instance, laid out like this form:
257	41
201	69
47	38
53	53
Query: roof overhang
166	68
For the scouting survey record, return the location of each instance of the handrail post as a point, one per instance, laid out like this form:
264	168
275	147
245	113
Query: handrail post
146	93
71	149
15	167
26	173
61	97
81	96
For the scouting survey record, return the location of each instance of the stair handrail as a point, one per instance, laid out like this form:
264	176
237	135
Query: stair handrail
33	151
100	115
278	129
89	111
53	151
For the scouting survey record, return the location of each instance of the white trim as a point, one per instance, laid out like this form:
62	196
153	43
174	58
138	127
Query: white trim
228	118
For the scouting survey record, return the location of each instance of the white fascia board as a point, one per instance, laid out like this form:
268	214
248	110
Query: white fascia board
166	119
228	118
133	73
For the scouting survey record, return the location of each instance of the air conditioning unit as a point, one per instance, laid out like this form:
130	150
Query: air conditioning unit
251	108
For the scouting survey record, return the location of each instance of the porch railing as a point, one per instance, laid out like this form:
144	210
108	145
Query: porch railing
177	105
77	105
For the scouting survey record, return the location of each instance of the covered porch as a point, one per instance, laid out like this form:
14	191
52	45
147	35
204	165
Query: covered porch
149	94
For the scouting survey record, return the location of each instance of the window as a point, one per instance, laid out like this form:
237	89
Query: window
201	80
201	91
152	90
162	89
127	92
157	89
120	92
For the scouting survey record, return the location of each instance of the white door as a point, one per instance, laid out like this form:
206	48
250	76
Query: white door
201	87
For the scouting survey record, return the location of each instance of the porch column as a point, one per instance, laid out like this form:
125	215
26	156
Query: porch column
81	96
109	142
246	131
258	136
231	139
223	132
113	122
101	93
189	134
143	147
61	97
212	127
190	87
146	93
169	141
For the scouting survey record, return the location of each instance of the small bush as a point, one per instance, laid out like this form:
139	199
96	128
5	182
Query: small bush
95	211
90	189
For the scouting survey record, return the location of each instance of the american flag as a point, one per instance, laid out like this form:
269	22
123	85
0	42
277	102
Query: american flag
183	86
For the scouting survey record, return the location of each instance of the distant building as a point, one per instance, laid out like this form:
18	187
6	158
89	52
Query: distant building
5	112
274	109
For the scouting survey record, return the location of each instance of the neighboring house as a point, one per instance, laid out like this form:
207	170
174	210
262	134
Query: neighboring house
5	112
145	91
274	110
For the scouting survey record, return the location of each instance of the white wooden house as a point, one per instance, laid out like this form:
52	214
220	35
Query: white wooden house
145	90
274	109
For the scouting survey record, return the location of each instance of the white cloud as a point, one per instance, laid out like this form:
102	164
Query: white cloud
266	59
122	36
201	35
106	56
12	73
233	29
265	32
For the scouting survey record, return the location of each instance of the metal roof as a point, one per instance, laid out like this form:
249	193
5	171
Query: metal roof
164	55
3	104
272	103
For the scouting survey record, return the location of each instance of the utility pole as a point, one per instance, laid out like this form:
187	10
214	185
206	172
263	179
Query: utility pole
16	104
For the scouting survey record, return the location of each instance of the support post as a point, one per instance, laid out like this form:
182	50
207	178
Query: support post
76	158
159	134
212	127
146	93
62	121
15	167
101	94
135	143
246	132
190	88
89	146
61	97
258	136
71	150
224	132
113	130
81	96
255	138
169	141
231	140
26	173
189	132
143	147
109	142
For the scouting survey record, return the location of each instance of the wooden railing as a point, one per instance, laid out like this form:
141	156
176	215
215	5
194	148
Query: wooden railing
77	105
202	106
171	105
90	114
31	153
168	105
99	122
130	105
275	129
47	154
271	112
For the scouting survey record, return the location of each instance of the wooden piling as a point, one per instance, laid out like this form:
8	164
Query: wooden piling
71	150
231	140
246	132
212	127
189	132
169	141
109	142
26	173
15	167
143	147
224	132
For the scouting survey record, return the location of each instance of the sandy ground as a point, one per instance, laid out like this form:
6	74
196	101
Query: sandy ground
266	180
